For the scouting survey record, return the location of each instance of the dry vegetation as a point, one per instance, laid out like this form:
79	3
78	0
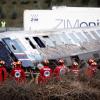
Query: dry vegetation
70	88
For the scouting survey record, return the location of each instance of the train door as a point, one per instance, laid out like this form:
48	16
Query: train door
75	58
5	55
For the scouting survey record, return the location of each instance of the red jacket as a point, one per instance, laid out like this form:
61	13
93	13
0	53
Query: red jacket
93	68
60	71
90	71
75	69
3	73
18	73
45	74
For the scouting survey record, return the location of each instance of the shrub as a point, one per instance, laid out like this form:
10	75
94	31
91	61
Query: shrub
14	2
3	2
14	14
35	2
2	14
24	1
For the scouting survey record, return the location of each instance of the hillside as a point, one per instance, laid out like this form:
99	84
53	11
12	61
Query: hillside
12	10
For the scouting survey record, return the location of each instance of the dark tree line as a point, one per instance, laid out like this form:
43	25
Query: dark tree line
87	3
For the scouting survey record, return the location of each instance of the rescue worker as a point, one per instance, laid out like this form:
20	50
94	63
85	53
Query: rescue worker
90	61
91	70
60	70
45	72
3	24
94	67
3	71
35	73
17	72
75	68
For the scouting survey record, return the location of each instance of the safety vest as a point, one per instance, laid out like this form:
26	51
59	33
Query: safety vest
3	73
75	70
45	74
18	73
45	71
60	70
3	24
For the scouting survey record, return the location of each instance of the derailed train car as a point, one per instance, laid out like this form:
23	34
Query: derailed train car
31	47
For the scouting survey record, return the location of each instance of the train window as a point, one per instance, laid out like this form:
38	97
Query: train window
39	42
81	36
75	58
20	44
13	47
45	36
74	37
88	35
98	31
96	55
27	38
94	34
33	46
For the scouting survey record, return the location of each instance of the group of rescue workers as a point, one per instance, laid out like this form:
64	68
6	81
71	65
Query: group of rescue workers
44	72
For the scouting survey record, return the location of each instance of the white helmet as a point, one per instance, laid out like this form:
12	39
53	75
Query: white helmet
39	66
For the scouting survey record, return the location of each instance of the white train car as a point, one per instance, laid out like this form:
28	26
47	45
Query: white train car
30	47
